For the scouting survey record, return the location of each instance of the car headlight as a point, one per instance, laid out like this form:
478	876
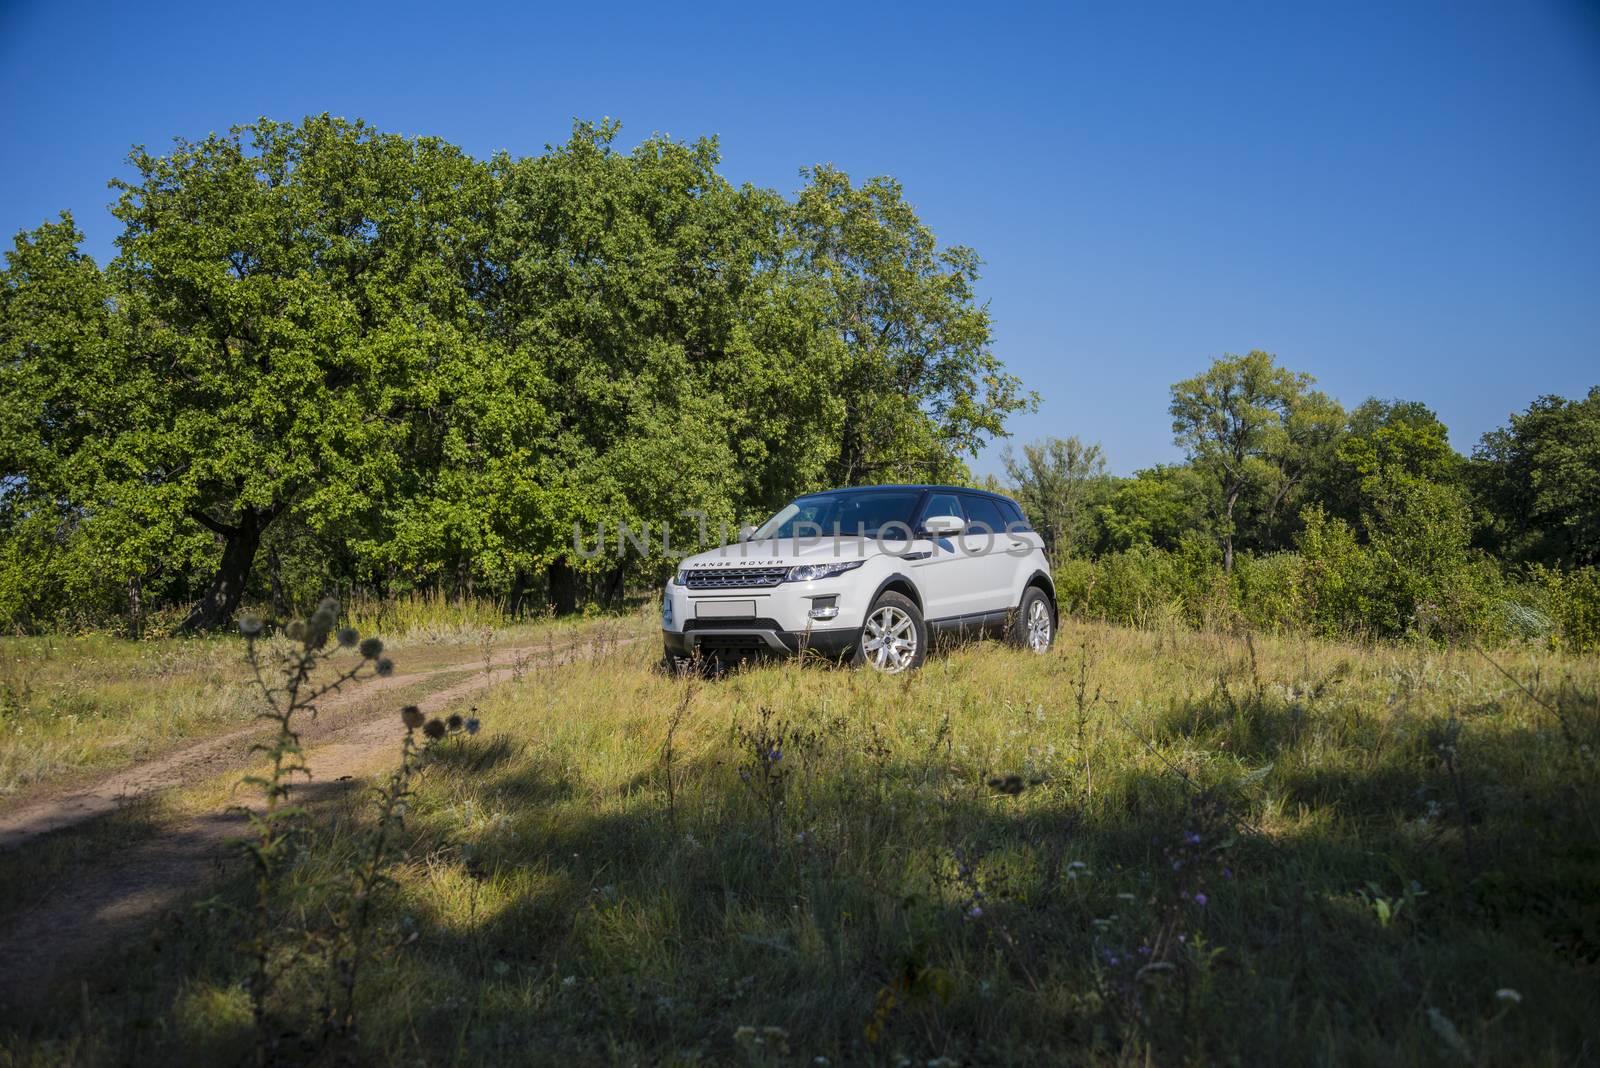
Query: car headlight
810	572
681	578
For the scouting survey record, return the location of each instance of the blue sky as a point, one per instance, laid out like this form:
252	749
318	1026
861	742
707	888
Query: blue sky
1402	199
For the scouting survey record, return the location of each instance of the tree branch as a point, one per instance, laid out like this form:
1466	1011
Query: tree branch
211	524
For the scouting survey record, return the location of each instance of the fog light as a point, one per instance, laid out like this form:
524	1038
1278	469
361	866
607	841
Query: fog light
666	609
824	607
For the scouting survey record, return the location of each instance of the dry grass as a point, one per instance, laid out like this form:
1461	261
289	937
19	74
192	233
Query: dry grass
76	705
1147	847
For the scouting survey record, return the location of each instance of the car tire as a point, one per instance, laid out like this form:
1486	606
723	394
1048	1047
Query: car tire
1034	627
894	638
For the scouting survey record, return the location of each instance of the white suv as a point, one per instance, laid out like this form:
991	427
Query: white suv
875	572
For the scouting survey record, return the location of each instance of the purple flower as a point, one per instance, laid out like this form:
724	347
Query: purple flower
1227	873
1200	899
975	913
1193	838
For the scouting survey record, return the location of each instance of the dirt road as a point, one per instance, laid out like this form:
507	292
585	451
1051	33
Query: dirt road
119	895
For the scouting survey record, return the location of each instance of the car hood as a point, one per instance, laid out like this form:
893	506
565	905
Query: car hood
785	552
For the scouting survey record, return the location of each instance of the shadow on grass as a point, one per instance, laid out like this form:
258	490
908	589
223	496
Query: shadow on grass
880	905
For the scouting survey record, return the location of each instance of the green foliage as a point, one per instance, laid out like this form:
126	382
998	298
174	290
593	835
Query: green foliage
1537	483
904	346
1252	430
1336	575
1154	507
1568	602
1059	483
376	361
1414	576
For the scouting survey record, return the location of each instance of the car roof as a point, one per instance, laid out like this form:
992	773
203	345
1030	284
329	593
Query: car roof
918	486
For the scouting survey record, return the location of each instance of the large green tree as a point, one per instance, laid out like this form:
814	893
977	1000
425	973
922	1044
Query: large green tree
1382	440
1537	483
1249	427
1059	482
376	359
300	297
905	345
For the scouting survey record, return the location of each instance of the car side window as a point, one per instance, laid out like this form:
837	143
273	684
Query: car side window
1015	520
984	510
943	504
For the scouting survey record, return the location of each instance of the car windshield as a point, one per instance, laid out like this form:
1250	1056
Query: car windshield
842	513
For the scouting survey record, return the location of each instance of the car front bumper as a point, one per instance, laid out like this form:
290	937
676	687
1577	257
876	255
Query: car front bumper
774	620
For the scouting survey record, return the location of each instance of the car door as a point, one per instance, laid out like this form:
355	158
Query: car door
948	576
994	568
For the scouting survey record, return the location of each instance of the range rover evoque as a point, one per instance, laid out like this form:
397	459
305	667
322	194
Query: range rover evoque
874	573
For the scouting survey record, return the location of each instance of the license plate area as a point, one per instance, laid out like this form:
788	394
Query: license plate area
725	610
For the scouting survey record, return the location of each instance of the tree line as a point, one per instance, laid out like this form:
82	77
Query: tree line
1361	520
324	354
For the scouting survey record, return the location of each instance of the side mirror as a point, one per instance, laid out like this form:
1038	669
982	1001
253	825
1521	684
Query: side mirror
941	526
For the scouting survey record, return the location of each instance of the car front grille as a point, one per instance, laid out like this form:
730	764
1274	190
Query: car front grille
730	578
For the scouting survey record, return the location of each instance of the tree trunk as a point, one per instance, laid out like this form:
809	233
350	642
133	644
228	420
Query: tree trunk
220	602
616	585
135	608
563	588
1227	538
521	586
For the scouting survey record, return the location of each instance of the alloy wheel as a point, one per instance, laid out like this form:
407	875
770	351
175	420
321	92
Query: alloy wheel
1038	626
890	640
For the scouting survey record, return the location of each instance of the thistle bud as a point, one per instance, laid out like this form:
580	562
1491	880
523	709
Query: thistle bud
250	626
348	636
411	716
371	647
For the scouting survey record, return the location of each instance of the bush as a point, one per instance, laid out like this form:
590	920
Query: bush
1415	579
1569	600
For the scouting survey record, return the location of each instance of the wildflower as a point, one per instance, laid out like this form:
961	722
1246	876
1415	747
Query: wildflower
1200	899
975	912
411	716
385	666
348	636
455	721
1193	838
371	647
472	724
296	630
434	728
250	626
1507	994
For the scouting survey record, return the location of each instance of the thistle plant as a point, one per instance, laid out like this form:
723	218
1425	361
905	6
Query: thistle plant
366	875
276	824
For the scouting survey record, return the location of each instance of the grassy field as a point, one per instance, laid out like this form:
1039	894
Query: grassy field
84	704
1147	847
